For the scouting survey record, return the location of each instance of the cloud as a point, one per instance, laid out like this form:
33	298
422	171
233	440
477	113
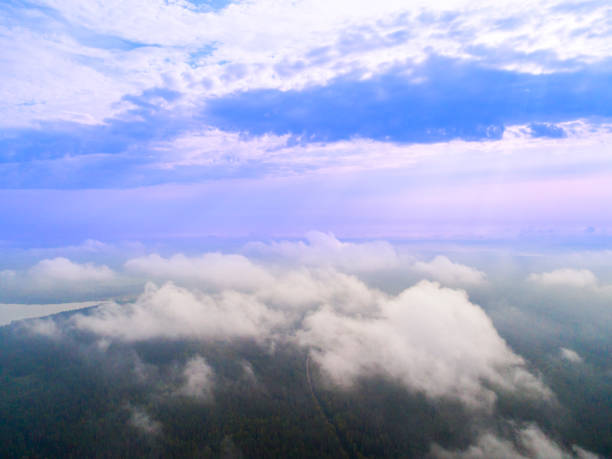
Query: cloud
174	312
143	154
430	338
324	249
63	270
59	279
286	287
531	443
44	327
570	355
94	251
449	273
213	269
304	289
566	277
198	379
355	189
95	51
141	420
582	453
422	107
213	148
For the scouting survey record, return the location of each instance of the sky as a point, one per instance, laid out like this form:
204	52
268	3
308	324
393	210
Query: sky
167	120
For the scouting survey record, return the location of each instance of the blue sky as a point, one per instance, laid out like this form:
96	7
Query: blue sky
142	120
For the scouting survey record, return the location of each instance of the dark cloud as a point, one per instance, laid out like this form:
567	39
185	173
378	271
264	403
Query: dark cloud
443	99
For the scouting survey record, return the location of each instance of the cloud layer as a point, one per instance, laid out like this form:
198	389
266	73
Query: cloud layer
104	52
429	338
475	338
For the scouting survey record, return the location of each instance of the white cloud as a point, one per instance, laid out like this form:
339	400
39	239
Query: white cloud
582	453
307	289
141	420
198	379
284	45
210	147
44	327
59	279
448	272
324	249
213	269
63	270
285	286
174	312
432	339
517	150
565	277
256	312
570	355
50	76
429	338
532	443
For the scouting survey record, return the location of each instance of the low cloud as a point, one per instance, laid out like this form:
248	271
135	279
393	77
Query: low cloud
429	338
63	270
565	277
142	421
570	355
173	312
211	269
305	289
199	379
531	443
324	249
432	339
444	270
58	278
44	327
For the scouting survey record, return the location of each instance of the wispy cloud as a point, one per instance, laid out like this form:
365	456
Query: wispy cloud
87	57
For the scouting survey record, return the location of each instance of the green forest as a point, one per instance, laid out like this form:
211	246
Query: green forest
75	397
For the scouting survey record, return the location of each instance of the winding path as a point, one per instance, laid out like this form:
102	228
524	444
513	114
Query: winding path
347	452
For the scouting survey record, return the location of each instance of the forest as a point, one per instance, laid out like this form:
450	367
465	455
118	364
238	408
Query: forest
77	397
